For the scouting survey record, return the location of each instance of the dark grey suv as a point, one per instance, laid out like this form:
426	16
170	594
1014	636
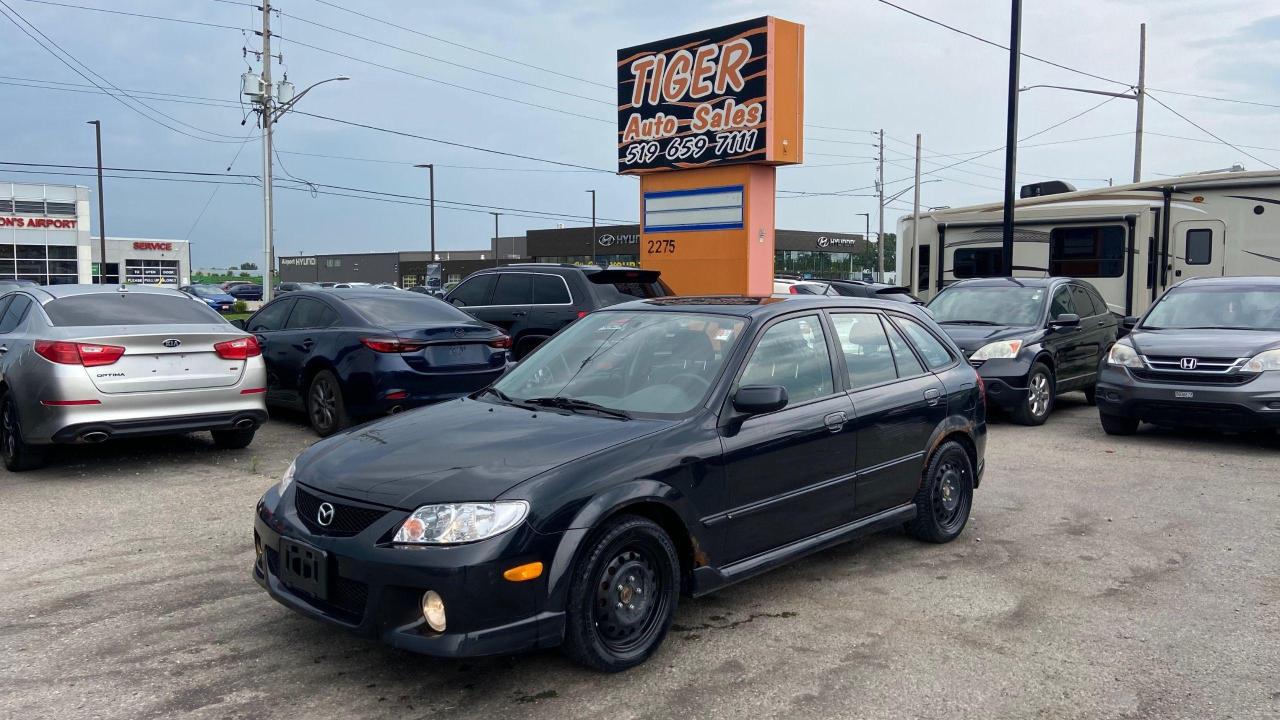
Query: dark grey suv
1207	354
532	301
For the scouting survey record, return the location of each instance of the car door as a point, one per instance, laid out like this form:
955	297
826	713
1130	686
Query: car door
897	403
553	305
788	473
1067	344
1096	334
472	295
508	308
266	325
9	350
303	334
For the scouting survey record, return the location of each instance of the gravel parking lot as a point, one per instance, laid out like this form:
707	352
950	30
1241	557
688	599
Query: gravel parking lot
1099	578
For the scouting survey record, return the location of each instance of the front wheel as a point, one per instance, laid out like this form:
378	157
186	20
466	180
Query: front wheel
17	453
1118	425
945	496
1040	395
624	595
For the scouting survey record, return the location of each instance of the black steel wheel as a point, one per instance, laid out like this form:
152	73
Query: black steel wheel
945	496
325	408
623	596
17	454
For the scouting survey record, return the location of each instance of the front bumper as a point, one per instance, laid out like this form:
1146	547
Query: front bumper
1254	405
375	589
1006	382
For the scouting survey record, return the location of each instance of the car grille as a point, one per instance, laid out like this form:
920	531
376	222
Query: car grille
1215	415
349	596
348	519
1206	370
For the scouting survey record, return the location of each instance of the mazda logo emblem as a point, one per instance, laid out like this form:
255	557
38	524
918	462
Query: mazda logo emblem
171	343
459	332
324	515
1188	363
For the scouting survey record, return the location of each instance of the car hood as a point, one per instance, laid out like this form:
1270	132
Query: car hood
463	450
218	298
972	337
1203	343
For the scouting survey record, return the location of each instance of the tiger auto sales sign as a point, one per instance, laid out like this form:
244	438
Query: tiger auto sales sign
732	94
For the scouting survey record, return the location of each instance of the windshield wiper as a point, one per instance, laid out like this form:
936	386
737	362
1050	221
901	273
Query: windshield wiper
968	322
1222	327
574	404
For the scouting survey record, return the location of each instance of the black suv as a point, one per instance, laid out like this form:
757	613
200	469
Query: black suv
1030	338
658	448
532	301
1207	354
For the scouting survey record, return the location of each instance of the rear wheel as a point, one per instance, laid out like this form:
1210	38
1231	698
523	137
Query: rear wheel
325	408
624	595
945	496
18	455
1117	425
233	439
1040	395
526	346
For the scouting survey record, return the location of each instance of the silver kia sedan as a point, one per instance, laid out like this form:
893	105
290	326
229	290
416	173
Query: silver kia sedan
88	363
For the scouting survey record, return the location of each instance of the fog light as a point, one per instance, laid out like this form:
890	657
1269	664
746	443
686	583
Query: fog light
1273	405
433	610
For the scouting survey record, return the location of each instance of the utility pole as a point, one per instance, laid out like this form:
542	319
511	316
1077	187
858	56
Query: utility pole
593	226
431	188
1141	97
102	213
496	241
880	184
268	211
908	269
1011	140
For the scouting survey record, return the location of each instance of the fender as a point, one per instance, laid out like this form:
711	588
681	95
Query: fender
952	425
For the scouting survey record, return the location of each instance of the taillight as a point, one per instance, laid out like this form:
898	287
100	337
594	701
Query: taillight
73	353
792	289
501	343
582	314
238	349
391	345
982	391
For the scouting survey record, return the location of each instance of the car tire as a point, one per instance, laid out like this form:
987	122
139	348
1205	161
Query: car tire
626	585
18	455
945	496
1117	424
325	408
1091	395
233	439
1035	409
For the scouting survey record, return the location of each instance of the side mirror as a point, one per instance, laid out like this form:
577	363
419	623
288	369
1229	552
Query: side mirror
1065	320
759	399
238	323
1129	322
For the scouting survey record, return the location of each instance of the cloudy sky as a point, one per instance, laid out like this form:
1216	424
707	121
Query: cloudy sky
535	79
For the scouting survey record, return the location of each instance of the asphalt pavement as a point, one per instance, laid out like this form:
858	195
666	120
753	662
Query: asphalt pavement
1098	578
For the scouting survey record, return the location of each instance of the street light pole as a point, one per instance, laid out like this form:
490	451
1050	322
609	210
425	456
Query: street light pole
431	188
1011	138
880	184
102	213
1141	98
593	226
268	212
908	267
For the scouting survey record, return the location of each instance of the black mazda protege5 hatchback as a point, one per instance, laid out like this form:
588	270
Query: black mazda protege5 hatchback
659	448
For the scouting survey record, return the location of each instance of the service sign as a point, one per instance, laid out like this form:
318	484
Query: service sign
732	94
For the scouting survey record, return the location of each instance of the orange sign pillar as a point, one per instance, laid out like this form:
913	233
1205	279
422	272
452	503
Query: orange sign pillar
704	119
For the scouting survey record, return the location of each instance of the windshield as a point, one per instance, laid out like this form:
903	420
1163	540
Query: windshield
994	305
1237	308
206	291
662	363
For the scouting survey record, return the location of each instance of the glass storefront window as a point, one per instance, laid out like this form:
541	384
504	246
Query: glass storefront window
808	263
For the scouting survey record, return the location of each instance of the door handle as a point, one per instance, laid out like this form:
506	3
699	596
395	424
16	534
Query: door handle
306	344
932	395
4	349
519	313
835	421
1101	323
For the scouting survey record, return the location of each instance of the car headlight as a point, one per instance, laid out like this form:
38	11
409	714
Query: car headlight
451	523
1002	350
1269	360
1123	354
287	480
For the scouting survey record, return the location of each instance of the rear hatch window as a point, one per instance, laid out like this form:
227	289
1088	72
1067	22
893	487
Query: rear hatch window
631	282
98	309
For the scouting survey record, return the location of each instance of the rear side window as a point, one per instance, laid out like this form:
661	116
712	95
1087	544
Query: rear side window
270	317
867	354
405	309
513	289
1098	302
1084	303
128	308
1199	246
935	354
475	290
550	290
908	365
14	313
308	313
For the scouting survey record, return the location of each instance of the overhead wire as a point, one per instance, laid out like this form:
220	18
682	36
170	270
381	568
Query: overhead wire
1210	133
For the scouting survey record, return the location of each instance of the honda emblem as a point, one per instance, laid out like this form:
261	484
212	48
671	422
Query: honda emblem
1188	363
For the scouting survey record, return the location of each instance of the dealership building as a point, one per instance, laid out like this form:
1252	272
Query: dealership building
801	252
45	236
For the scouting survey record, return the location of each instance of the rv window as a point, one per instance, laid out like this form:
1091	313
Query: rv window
978	262
1087	251
1199	247
922	275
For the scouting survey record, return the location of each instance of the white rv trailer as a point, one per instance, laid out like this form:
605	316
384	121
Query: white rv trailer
1130	241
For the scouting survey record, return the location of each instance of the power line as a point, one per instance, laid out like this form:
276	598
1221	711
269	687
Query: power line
1210	142
1212	97
79	89
465	47
137	15
928	159
408	163
1208	132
